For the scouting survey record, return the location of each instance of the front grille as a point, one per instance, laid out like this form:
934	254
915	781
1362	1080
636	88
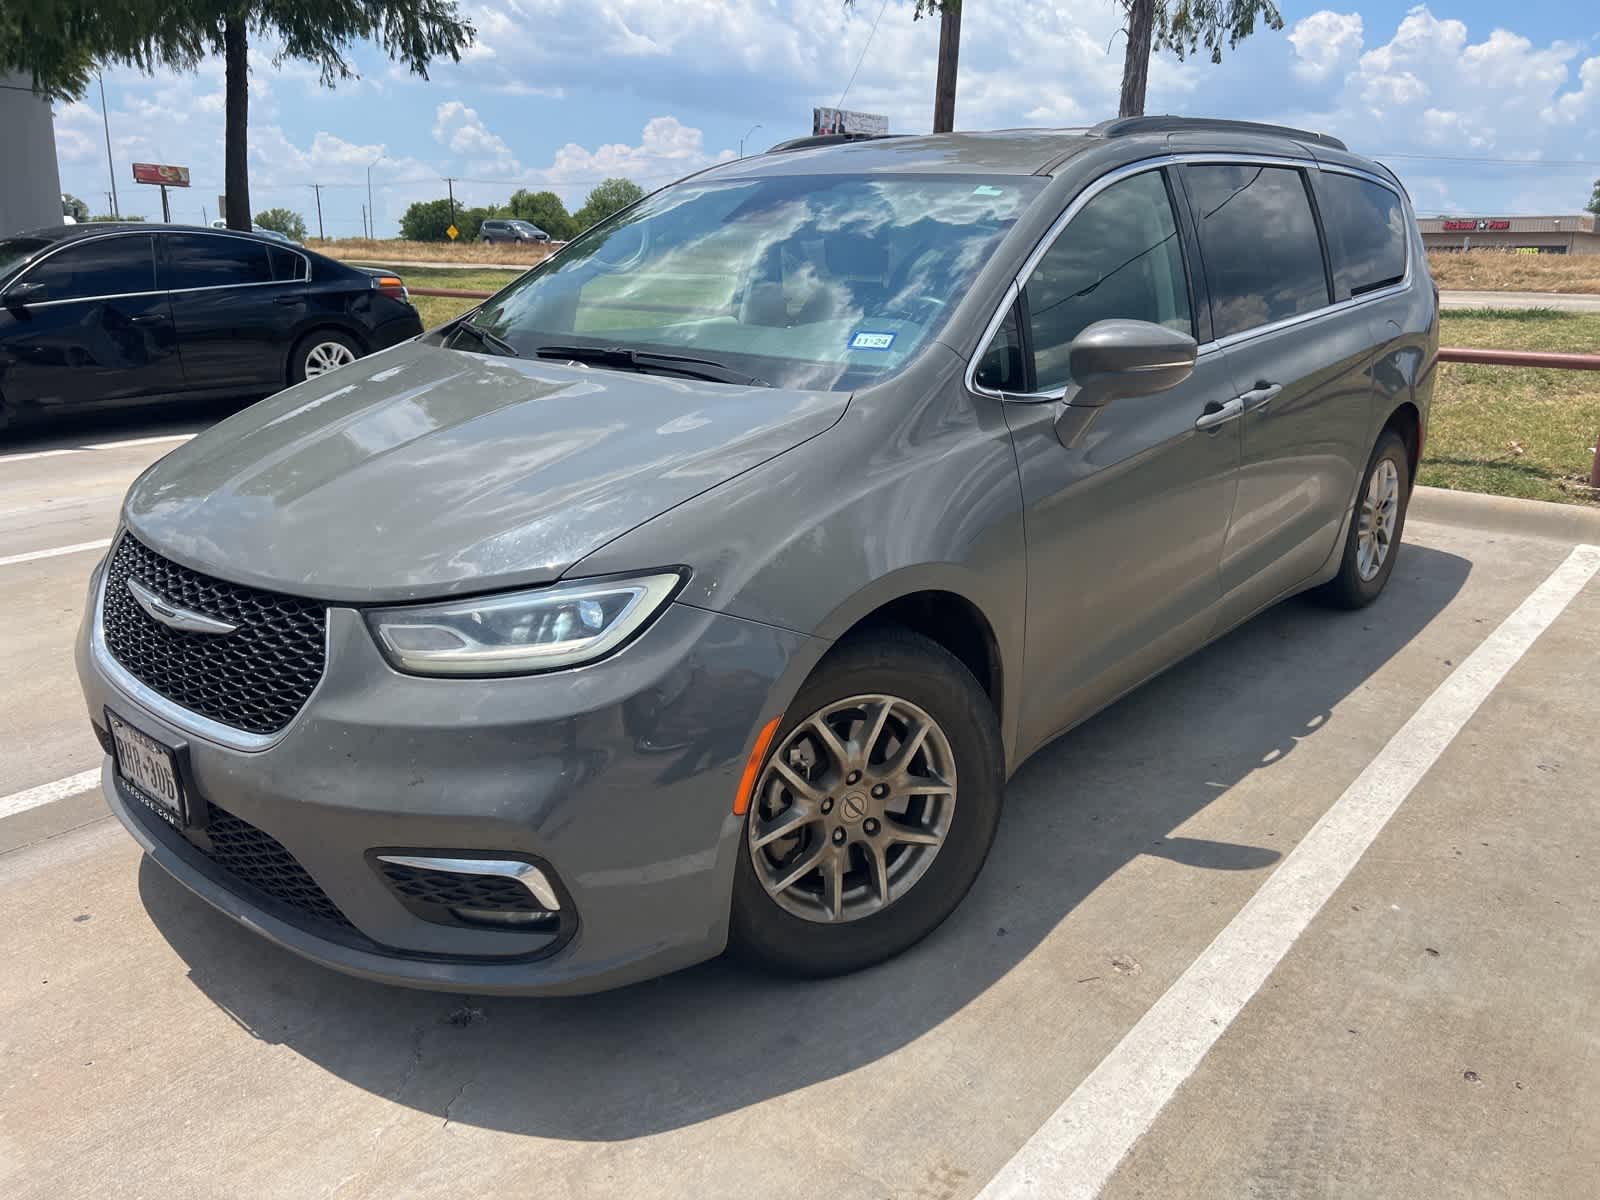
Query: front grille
254	679
452	889
256	858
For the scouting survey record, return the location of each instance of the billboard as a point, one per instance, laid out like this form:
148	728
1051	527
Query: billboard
840	120
161	173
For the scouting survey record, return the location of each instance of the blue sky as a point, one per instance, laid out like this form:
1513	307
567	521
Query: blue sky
557	94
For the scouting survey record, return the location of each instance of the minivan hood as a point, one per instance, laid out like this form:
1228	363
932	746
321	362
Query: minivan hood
425	472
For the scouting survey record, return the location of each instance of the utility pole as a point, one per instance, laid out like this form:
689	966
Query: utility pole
365	232
317	188
944	89
111	204
450	186
105	120
373	213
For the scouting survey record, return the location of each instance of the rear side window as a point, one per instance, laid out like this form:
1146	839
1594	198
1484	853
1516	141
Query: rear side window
286	264
198	260
1366	224
103	267
1119	257
1259	242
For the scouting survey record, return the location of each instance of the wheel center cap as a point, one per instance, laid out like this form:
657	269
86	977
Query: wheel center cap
853	807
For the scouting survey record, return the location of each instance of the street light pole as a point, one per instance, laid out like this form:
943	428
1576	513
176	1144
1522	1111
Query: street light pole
111	169
747	133
371	212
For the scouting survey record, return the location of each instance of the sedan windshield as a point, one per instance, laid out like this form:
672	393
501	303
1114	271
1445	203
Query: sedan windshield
823	281
14	250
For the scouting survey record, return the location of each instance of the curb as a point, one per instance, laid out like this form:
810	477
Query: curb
1503	514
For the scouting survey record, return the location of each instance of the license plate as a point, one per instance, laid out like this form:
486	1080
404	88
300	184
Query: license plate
148	765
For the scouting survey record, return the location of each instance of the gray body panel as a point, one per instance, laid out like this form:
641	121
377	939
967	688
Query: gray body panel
425	472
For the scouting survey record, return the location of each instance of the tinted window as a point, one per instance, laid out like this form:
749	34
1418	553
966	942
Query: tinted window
196	260
286	264
103	267
1259	241
1119	257
1366	226
1001	368
14	250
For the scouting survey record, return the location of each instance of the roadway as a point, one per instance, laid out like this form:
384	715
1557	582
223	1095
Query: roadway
1311	915
1561	301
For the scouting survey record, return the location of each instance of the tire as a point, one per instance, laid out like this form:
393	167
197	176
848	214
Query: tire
317	348
920	677
1352	587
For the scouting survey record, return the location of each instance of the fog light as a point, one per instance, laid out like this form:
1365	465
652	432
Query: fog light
502	917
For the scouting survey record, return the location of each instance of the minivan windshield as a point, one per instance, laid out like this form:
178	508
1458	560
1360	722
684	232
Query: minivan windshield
814	281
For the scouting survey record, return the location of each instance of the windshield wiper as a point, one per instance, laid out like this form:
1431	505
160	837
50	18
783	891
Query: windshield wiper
650	360
493	341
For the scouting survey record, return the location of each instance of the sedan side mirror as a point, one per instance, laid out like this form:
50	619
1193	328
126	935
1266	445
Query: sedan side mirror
1114	359
23	294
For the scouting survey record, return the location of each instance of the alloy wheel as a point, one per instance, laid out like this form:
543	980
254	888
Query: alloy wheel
852	808
1380	509
327	356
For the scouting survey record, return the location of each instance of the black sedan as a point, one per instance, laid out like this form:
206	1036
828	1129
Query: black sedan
120	314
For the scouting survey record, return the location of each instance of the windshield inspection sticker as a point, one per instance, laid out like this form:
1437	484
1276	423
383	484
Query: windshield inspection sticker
871	341
984	189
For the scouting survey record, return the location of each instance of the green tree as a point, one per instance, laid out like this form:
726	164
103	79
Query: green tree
1594	199
72	207
470	220
58	41
426	221
609	196
1183	26
545	210
284	221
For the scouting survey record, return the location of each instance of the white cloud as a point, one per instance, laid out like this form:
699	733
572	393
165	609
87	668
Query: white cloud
1325	42
460	130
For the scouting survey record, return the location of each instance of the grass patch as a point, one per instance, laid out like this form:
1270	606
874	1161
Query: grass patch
1500	271
436	310
1515	431
388	250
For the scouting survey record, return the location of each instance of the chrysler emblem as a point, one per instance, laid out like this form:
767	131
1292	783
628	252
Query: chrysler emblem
173	615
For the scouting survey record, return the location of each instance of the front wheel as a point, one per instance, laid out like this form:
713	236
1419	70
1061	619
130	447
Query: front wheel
874	811
1373	542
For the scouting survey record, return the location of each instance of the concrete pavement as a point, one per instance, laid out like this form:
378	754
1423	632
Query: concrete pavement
1429	1033
1561	301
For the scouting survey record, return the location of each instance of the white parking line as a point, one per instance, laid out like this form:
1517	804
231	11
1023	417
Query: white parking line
48	793
91	446
1075	1151
54	552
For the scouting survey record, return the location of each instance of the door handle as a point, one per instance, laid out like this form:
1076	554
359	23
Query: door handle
1260	396
1221	414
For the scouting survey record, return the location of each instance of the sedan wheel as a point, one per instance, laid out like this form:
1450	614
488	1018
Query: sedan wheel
327	356
853	808
1379	509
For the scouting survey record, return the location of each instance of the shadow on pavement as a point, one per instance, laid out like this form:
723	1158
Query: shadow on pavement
675	1051
78	428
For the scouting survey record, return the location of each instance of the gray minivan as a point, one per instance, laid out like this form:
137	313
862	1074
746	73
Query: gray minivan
704	586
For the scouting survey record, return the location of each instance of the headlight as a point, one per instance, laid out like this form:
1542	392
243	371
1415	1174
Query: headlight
520	632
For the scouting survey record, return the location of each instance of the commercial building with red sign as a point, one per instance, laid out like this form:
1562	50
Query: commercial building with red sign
1529	235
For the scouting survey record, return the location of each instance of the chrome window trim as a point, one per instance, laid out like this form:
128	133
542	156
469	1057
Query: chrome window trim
180	718
154	232
1216	345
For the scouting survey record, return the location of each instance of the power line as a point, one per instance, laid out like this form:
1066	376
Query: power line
1503	162
863	55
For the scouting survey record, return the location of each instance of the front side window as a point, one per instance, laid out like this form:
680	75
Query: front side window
14	250
199	260
822	281
1366	224
1259	241
1119	257
113	266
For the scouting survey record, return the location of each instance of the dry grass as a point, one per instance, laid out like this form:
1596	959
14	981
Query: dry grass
1499	271
397	250
1513	431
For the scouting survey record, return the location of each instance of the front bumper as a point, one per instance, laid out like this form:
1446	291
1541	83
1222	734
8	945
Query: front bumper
620	776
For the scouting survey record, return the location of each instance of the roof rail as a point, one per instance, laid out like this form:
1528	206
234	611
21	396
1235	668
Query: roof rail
826	139
1124	126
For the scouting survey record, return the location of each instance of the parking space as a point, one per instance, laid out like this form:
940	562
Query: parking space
1181	946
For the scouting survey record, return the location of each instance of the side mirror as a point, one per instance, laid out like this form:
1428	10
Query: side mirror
1113	359
21	295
